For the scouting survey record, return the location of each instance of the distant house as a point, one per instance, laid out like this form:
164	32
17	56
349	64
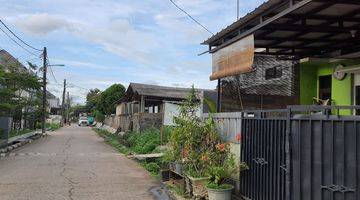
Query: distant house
7	62
146	105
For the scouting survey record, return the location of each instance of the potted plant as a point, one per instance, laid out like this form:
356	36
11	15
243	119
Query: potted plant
220	173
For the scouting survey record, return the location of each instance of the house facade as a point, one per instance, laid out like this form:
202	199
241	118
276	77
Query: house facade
145	106
318	40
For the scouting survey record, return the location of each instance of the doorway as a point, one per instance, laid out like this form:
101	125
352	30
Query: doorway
357	98
325	87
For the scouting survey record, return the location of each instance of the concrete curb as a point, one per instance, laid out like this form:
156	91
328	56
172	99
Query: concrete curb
19	141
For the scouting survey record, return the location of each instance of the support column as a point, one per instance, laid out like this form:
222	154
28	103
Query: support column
218	106
142	104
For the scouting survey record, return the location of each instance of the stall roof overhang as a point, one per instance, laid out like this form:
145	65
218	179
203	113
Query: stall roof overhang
306	28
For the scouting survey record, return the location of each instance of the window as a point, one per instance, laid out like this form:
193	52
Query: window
274	72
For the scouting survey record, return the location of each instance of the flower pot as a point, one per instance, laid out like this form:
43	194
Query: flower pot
220	194
179	168
197	186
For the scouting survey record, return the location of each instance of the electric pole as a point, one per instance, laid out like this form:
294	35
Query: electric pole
44	91
237	10
68	108
63	102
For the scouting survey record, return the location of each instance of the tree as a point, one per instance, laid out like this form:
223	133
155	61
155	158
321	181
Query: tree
19	93
108	98
17	89
92	98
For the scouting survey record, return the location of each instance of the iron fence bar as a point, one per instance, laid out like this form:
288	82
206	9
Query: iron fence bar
288	153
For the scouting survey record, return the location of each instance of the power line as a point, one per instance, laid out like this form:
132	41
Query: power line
17	42
72	84
196	21
51	71
52	74
18	37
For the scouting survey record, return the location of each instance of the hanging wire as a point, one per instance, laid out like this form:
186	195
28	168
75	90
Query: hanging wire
21	40
196	21
16	42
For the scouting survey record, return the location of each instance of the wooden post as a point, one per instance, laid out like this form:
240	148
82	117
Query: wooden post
161	134
218	106
142	104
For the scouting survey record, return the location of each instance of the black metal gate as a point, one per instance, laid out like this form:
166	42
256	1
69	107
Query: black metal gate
325	158
301	154
263	149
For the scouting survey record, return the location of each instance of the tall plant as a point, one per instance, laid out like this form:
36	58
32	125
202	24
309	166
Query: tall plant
193	141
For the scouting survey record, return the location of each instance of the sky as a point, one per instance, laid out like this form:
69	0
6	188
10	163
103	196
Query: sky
119	41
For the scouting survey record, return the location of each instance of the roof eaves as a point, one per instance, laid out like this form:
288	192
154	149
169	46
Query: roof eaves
243	20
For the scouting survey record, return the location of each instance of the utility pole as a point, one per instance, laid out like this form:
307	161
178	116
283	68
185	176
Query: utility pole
238	9
44	91
63	102
68	108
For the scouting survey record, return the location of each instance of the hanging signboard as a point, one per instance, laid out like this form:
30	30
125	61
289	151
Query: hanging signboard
234	59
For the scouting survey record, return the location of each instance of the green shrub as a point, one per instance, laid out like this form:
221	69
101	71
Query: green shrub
152	167
112	140
14	133
52	126
143	142
99	117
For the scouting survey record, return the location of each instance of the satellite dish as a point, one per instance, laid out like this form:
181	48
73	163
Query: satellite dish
339	74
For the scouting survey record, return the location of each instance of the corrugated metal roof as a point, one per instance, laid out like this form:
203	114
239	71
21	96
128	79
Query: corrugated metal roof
6	60
162	91
249	16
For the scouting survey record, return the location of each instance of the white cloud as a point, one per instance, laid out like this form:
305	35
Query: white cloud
42	24
124	40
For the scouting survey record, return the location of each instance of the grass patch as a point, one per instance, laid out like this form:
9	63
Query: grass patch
112	140
52	126
152	166
147	141
14	133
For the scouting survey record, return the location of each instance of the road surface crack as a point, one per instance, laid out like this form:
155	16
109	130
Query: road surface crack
71	183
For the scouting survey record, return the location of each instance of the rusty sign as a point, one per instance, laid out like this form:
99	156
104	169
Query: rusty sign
234	59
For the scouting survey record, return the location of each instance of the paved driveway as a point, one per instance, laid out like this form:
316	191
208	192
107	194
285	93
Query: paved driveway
73	163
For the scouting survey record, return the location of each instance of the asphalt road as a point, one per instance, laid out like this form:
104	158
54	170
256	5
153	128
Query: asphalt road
72	163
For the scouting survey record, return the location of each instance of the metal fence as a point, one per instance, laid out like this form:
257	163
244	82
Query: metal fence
325	155
263	149
228	124
299	153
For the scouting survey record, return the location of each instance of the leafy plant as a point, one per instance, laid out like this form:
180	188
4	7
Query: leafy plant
152	167
143	142
210	104
193	141
221	172
52	126
99	117
14	133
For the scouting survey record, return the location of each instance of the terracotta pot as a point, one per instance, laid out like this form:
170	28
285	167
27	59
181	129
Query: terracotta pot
220	194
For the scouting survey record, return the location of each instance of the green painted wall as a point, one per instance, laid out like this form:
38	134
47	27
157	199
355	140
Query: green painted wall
308	84
341	91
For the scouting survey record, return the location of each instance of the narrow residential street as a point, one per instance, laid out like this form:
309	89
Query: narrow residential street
72	163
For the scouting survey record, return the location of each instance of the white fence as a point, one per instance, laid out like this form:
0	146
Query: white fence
228	124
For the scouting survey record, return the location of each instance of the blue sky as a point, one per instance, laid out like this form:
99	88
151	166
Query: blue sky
119	41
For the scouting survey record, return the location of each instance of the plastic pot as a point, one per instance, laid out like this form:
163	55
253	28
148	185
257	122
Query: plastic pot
220	194
179	168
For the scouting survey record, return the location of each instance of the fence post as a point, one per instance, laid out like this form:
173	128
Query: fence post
5	127
288	154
